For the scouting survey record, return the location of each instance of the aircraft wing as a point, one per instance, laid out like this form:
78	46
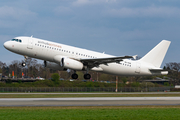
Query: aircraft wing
95	62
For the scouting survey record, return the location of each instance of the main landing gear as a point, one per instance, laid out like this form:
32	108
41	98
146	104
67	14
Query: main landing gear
24	63
87	76
75	76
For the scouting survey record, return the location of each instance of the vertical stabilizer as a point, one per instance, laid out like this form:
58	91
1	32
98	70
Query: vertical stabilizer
157	54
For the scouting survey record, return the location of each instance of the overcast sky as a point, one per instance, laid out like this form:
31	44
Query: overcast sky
117	27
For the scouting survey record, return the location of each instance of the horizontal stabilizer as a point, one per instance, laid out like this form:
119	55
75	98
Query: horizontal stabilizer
157	70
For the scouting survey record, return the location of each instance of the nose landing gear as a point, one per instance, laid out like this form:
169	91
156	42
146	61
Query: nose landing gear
24	63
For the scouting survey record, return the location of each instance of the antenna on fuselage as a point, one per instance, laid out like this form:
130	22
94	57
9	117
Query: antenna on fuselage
31	36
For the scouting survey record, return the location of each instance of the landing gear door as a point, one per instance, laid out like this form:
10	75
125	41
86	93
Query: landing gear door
30	43
138	68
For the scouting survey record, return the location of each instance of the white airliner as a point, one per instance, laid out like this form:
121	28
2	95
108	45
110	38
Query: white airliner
62	57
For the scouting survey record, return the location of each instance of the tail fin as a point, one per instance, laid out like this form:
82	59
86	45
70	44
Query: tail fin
157	54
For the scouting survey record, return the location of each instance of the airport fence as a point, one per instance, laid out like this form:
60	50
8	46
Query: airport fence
84	89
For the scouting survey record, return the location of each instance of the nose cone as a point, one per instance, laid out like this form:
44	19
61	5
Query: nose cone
7	45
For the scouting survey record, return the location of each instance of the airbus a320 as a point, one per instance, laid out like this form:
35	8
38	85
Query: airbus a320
62	57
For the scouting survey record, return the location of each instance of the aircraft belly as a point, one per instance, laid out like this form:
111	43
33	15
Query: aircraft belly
118	69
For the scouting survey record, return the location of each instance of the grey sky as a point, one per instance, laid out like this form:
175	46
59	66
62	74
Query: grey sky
118	27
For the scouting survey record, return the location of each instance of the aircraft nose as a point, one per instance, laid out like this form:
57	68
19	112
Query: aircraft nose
7	45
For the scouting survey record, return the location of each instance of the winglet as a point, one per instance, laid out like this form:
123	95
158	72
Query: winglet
135	56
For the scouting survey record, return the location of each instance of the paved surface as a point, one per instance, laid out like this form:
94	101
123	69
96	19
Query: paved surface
103	93
90	101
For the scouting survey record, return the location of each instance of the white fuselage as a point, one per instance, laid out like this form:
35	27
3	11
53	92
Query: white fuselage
46	50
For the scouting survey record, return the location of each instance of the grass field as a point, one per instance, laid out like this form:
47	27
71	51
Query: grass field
83	95
91	113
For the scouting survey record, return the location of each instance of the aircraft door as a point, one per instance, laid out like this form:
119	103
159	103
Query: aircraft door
30	43
138	68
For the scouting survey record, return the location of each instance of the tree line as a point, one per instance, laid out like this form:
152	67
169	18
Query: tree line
34	69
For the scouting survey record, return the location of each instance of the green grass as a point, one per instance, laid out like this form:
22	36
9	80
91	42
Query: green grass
83	95
90	113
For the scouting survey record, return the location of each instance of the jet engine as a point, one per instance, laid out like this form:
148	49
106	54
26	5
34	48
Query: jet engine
71	64
53	66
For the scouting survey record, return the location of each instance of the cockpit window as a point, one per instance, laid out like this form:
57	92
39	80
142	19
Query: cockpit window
17	40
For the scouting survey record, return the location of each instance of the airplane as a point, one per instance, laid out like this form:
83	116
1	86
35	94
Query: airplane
62	57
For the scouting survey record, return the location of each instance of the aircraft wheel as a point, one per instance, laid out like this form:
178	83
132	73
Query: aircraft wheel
87	76
23	64
74	76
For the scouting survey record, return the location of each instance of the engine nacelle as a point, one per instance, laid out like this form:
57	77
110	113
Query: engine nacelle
71	64
53	66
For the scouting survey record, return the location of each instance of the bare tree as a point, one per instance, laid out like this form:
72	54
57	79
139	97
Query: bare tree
174	71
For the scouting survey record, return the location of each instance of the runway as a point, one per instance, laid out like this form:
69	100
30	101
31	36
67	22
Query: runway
90	101
99	93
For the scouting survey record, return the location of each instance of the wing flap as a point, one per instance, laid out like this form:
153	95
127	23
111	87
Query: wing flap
109	59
